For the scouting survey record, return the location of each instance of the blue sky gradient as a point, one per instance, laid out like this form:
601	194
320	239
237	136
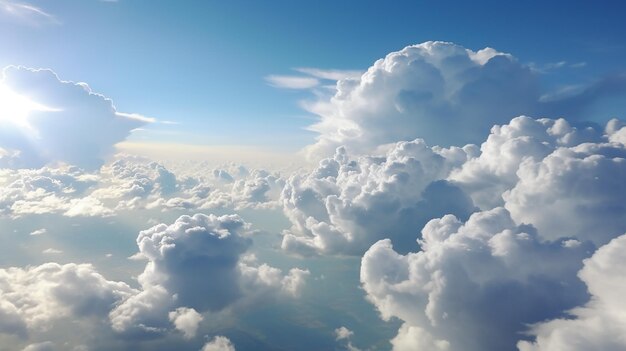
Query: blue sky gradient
203	63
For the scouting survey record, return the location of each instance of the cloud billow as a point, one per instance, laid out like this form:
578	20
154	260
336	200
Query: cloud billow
72	124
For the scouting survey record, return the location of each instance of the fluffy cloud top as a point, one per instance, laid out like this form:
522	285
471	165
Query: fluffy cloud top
566	181
345	204
77	126
443	93
438	91
475	285
219	343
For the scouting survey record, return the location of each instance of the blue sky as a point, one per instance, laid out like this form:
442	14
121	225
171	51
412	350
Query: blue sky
203	63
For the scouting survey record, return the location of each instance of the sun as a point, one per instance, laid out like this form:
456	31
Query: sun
15	108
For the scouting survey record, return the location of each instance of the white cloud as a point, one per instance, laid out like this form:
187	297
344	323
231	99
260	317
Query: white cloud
443	93
329	74
346	204
196	263
34	297
219	343
39	231
577	191
186	320
437	91
26	13
78	126
600	324
523	139
475	285
52	251
342	333
292	82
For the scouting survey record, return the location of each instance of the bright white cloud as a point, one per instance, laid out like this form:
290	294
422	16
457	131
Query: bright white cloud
443	93
34	297
475	285
346	204
219	343
186	320
437	91
62	121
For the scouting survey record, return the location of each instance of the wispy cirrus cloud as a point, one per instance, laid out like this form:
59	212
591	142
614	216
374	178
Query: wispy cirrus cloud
292	82
26	13
311	78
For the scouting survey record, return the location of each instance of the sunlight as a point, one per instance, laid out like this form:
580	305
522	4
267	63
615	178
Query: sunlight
15	108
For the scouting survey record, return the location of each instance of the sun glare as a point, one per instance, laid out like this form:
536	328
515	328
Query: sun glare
15	108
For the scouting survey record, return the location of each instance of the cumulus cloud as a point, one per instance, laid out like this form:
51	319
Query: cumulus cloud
34	297
219	343
196	265
443	93
63	121
474	285
129	184
495	169
438	91
600	324
346	204
577	191
186	320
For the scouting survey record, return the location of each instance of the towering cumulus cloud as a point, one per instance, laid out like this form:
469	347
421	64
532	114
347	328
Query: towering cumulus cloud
44	119
438	91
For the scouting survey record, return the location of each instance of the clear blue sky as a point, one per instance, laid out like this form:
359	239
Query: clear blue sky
203	63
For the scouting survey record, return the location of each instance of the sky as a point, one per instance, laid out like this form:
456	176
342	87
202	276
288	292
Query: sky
203	64
327	175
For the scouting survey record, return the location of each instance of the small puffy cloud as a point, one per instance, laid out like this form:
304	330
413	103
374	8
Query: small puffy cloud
346	204
345	334
62	121
342	333
600	324
219	343
475	285
186	320
39	231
